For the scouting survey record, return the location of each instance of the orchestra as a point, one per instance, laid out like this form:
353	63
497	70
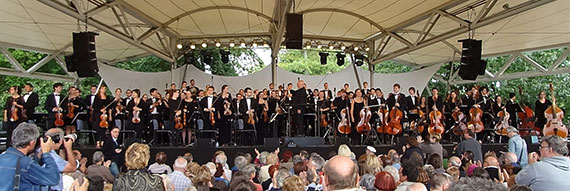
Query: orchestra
361	115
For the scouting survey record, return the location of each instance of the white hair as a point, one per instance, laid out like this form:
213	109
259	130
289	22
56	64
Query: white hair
180	163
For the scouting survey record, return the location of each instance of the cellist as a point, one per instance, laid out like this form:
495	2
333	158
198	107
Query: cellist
436	100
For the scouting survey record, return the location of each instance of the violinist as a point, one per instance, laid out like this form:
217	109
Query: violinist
498	105
365	90
128	97
247	108
357	103
451	105
193	89
189	106
89	99
52	104
100	109
223	115
323	106
208	106
328	93
31	99
412	103
117	109
175	109
339	103
262	126
135	117
13	112
539	107
74	106
155	112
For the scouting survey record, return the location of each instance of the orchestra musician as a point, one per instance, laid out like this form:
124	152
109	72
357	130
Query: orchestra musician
100	106
396	99
190	106
539	107
339	103
262	126
512	108
365	90
208	105
13	112
116	111
323	106
135	117
275	108
298	102
89	99
412	103
53	103
75	104
224	113
175	109
451	105
193	89
436	100
31	101
357	103
156	109
498	105
328	93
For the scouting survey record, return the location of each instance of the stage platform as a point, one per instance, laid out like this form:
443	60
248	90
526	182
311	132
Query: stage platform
204	154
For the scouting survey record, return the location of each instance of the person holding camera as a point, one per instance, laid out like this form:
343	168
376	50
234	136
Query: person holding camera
20	172
63	166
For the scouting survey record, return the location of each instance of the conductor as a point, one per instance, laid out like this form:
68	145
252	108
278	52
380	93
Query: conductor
298	102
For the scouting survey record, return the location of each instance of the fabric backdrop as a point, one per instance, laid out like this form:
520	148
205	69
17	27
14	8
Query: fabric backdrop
125	79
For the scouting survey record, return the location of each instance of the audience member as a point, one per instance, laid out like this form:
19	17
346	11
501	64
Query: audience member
470	144
432	146
340	173
136	178
241	182
64	166
410	148
159	166
491	165
384	181
294	183
100	168
239	163
180	181
112	150
436	161
440	182
250	171
517	145
553	169
409	175
367	182
470	184
416	187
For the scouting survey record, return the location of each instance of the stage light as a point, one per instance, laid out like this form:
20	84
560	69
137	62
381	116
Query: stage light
179	46
323	56
189	58
356	48
319	45
206	57
308	45
204	44
342	46
340	58
358	59
218	43
265	44
366	48
254	44
242	43
331	45
192	45
232	43
225	56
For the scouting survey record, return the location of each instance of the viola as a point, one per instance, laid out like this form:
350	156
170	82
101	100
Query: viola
554	114
363	126
527	117
343	126
501	127
212	119
178	120
435	125
476	113
104	120
14	113
227	110
395	127
382	118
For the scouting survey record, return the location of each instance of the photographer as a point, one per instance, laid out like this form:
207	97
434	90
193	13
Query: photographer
63	166
32	175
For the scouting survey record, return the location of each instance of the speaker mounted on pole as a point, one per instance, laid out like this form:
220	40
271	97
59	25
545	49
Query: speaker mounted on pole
294	31
84	54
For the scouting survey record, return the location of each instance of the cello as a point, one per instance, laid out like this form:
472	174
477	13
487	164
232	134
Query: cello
363	126
343	126
476	113
394	126
382	119
459	128
528	118
501	127
435	125
554	114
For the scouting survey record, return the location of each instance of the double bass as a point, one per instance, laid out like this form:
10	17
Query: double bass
343	126
554	114
363	126
435	125
527	117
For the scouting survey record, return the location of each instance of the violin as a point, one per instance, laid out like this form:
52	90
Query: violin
363	126
251	119
212	119
136	113
527	117
395	127
264	113
476	113
382	116
435	125
227	110
178	118
14	113
343	126
554	114
70	111
501	127
324	122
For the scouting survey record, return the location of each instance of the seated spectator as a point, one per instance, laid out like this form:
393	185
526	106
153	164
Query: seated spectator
286	159
454	172
96	183
192	169
440	182
23	141
188	157
239	163
416	187
395	174
340	172
520	188
409	175
469	183
384	181
553	169
370	164
491	165
100	168
203	179
241	182
159	166
294	183
249	170
279	179
436	161
270	159
136	178
180	181
80	161
367	182
223	160
344	150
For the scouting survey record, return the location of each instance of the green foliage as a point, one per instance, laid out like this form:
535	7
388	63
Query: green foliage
308	62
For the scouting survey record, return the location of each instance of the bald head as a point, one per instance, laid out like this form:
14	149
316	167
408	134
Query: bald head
416	187
511	157
180	164
491	161
454	161
340	173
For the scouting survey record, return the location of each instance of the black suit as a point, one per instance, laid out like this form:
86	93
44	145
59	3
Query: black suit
243	109
206	114
512	108
109	147
329	94
412	102
298	109
392	100
438	103
31	104
50	104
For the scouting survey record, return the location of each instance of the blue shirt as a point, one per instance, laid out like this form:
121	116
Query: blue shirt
517	145
60	166
33	176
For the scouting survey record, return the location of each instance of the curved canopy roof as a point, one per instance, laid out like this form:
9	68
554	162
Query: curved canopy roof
415	32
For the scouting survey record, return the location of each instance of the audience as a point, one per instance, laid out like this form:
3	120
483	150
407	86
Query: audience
470	144
100	168
384	181
432	146
160	166
64	166
294	183
440	182
469	184
136	178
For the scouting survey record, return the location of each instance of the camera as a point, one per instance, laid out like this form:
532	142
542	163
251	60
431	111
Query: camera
56	138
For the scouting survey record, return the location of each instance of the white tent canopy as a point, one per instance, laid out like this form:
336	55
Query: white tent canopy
417	33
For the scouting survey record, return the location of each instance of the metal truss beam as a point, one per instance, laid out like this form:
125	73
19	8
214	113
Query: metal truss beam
532	62
531	4
226	36
267	17
36	75
514	76
99	25
46	59
12	60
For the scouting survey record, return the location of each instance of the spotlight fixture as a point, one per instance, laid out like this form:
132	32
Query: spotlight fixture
358	59
355	48
340	58
192	45
232	43
254	44
308	45
179	46
218	43
204	44
319	45
265	44
323	56
225	56
206	57
342	46
331	45
189	58
242	43
366	48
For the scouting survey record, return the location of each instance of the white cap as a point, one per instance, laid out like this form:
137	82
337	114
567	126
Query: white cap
371	149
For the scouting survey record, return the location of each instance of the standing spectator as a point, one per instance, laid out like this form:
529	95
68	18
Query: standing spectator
32	175
136	159
180	181
553	169
409	175
340	173
64	166
160	167
100	168
249	170
410	148
517	145
470	144
432	146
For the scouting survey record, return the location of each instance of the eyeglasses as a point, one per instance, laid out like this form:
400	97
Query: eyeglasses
541	147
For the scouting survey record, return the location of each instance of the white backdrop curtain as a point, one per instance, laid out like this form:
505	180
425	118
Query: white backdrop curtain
125	79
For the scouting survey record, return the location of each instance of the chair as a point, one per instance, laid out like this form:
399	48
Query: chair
90	134
160	132
240	131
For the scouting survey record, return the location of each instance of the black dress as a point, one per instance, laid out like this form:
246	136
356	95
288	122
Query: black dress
539	109
224	124
354	135
99	104
11	124
137	127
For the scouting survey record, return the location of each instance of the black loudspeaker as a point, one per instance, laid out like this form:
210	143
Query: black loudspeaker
294	31
70	63
84	54
271	142
472	65
204	143
304	141
225	56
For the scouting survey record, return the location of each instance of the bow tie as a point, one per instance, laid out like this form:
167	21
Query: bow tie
56	94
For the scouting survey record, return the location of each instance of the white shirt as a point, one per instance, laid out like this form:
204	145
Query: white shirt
210	100
248	103
128	100
396	94
57	98
413	100
237	105
26	96
92	98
